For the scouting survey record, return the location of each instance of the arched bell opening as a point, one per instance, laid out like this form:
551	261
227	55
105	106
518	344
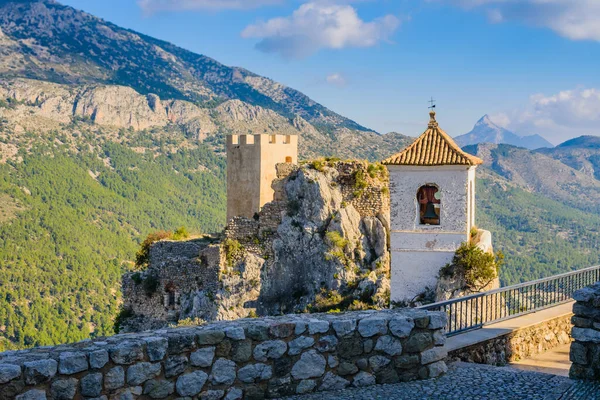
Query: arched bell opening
429	205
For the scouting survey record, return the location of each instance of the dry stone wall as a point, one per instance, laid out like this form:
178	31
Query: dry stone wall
250	358
518	344
585	350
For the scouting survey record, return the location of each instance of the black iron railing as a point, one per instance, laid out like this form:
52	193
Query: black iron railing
474	311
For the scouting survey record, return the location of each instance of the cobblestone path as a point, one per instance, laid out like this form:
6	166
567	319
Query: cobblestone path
473	382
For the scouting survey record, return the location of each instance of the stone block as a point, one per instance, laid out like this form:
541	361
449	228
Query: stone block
282	330
417	342
127	353
578	354
71	363
8	372
159	388
182	342
433	355
438	320
115	378
64	389
401	326
389	345
363	379
208	337
350	347
270	349
91	385
141	372
377	363
344	327
34	394
241	351
235	333
156	347
407	361
191	384
372	326
317	326
586	335
327	343
255	372
333	382
234	394
310	365
175	365
306	386
258	331
212	395
203	357
436	369
581	322
297	345
347	368
223	372
98	359
40	371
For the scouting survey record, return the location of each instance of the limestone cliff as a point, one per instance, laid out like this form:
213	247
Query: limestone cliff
321	245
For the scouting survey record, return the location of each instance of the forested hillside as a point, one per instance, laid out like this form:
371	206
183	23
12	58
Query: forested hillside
89	166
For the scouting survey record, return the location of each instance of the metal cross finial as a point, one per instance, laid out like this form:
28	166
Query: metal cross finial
432	102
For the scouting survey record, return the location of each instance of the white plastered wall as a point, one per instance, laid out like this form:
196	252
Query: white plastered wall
418	251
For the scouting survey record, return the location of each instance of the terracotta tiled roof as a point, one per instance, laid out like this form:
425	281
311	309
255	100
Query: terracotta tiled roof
433	147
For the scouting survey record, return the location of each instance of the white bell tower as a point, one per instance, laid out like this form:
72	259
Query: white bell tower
432	189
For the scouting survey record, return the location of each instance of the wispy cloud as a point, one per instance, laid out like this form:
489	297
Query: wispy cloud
573	19
152	6
557	117
336	79
320	25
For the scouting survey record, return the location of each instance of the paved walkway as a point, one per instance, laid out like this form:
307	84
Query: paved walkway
555	361
473	382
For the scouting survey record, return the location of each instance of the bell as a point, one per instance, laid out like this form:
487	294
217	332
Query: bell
430	211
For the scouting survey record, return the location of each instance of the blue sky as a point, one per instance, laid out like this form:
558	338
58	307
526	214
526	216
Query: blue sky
533	65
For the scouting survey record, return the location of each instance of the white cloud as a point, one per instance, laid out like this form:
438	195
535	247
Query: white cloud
320	25
573	19
150	6
558	117
337	79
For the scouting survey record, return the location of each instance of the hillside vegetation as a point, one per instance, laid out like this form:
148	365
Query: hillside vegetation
107	135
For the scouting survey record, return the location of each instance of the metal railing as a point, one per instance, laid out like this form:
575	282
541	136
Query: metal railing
474	311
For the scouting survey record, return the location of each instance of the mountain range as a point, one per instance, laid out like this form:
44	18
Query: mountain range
107	135
486	131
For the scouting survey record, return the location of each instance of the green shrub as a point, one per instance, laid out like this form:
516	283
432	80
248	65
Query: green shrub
233	251
124	313
180	233
293	207
142	257
478	267
137	278
150	285
360	182
318	165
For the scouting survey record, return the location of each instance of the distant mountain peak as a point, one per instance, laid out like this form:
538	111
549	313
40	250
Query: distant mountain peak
487	131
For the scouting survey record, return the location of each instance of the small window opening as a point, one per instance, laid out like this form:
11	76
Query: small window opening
428	197
288	159
272	139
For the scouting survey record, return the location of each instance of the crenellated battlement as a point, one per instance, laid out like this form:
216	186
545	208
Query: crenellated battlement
252	139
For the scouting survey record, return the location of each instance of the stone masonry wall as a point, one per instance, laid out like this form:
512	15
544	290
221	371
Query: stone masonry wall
517	345
585	350
249	358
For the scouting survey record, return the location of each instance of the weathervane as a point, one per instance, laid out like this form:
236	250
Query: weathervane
432	102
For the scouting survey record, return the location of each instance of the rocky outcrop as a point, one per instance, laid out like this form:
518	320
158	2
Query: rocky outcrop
321	245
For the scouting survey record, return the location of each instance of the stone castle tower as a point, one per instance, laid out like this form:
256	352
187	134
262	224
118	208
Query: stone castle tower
251	161
432	189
